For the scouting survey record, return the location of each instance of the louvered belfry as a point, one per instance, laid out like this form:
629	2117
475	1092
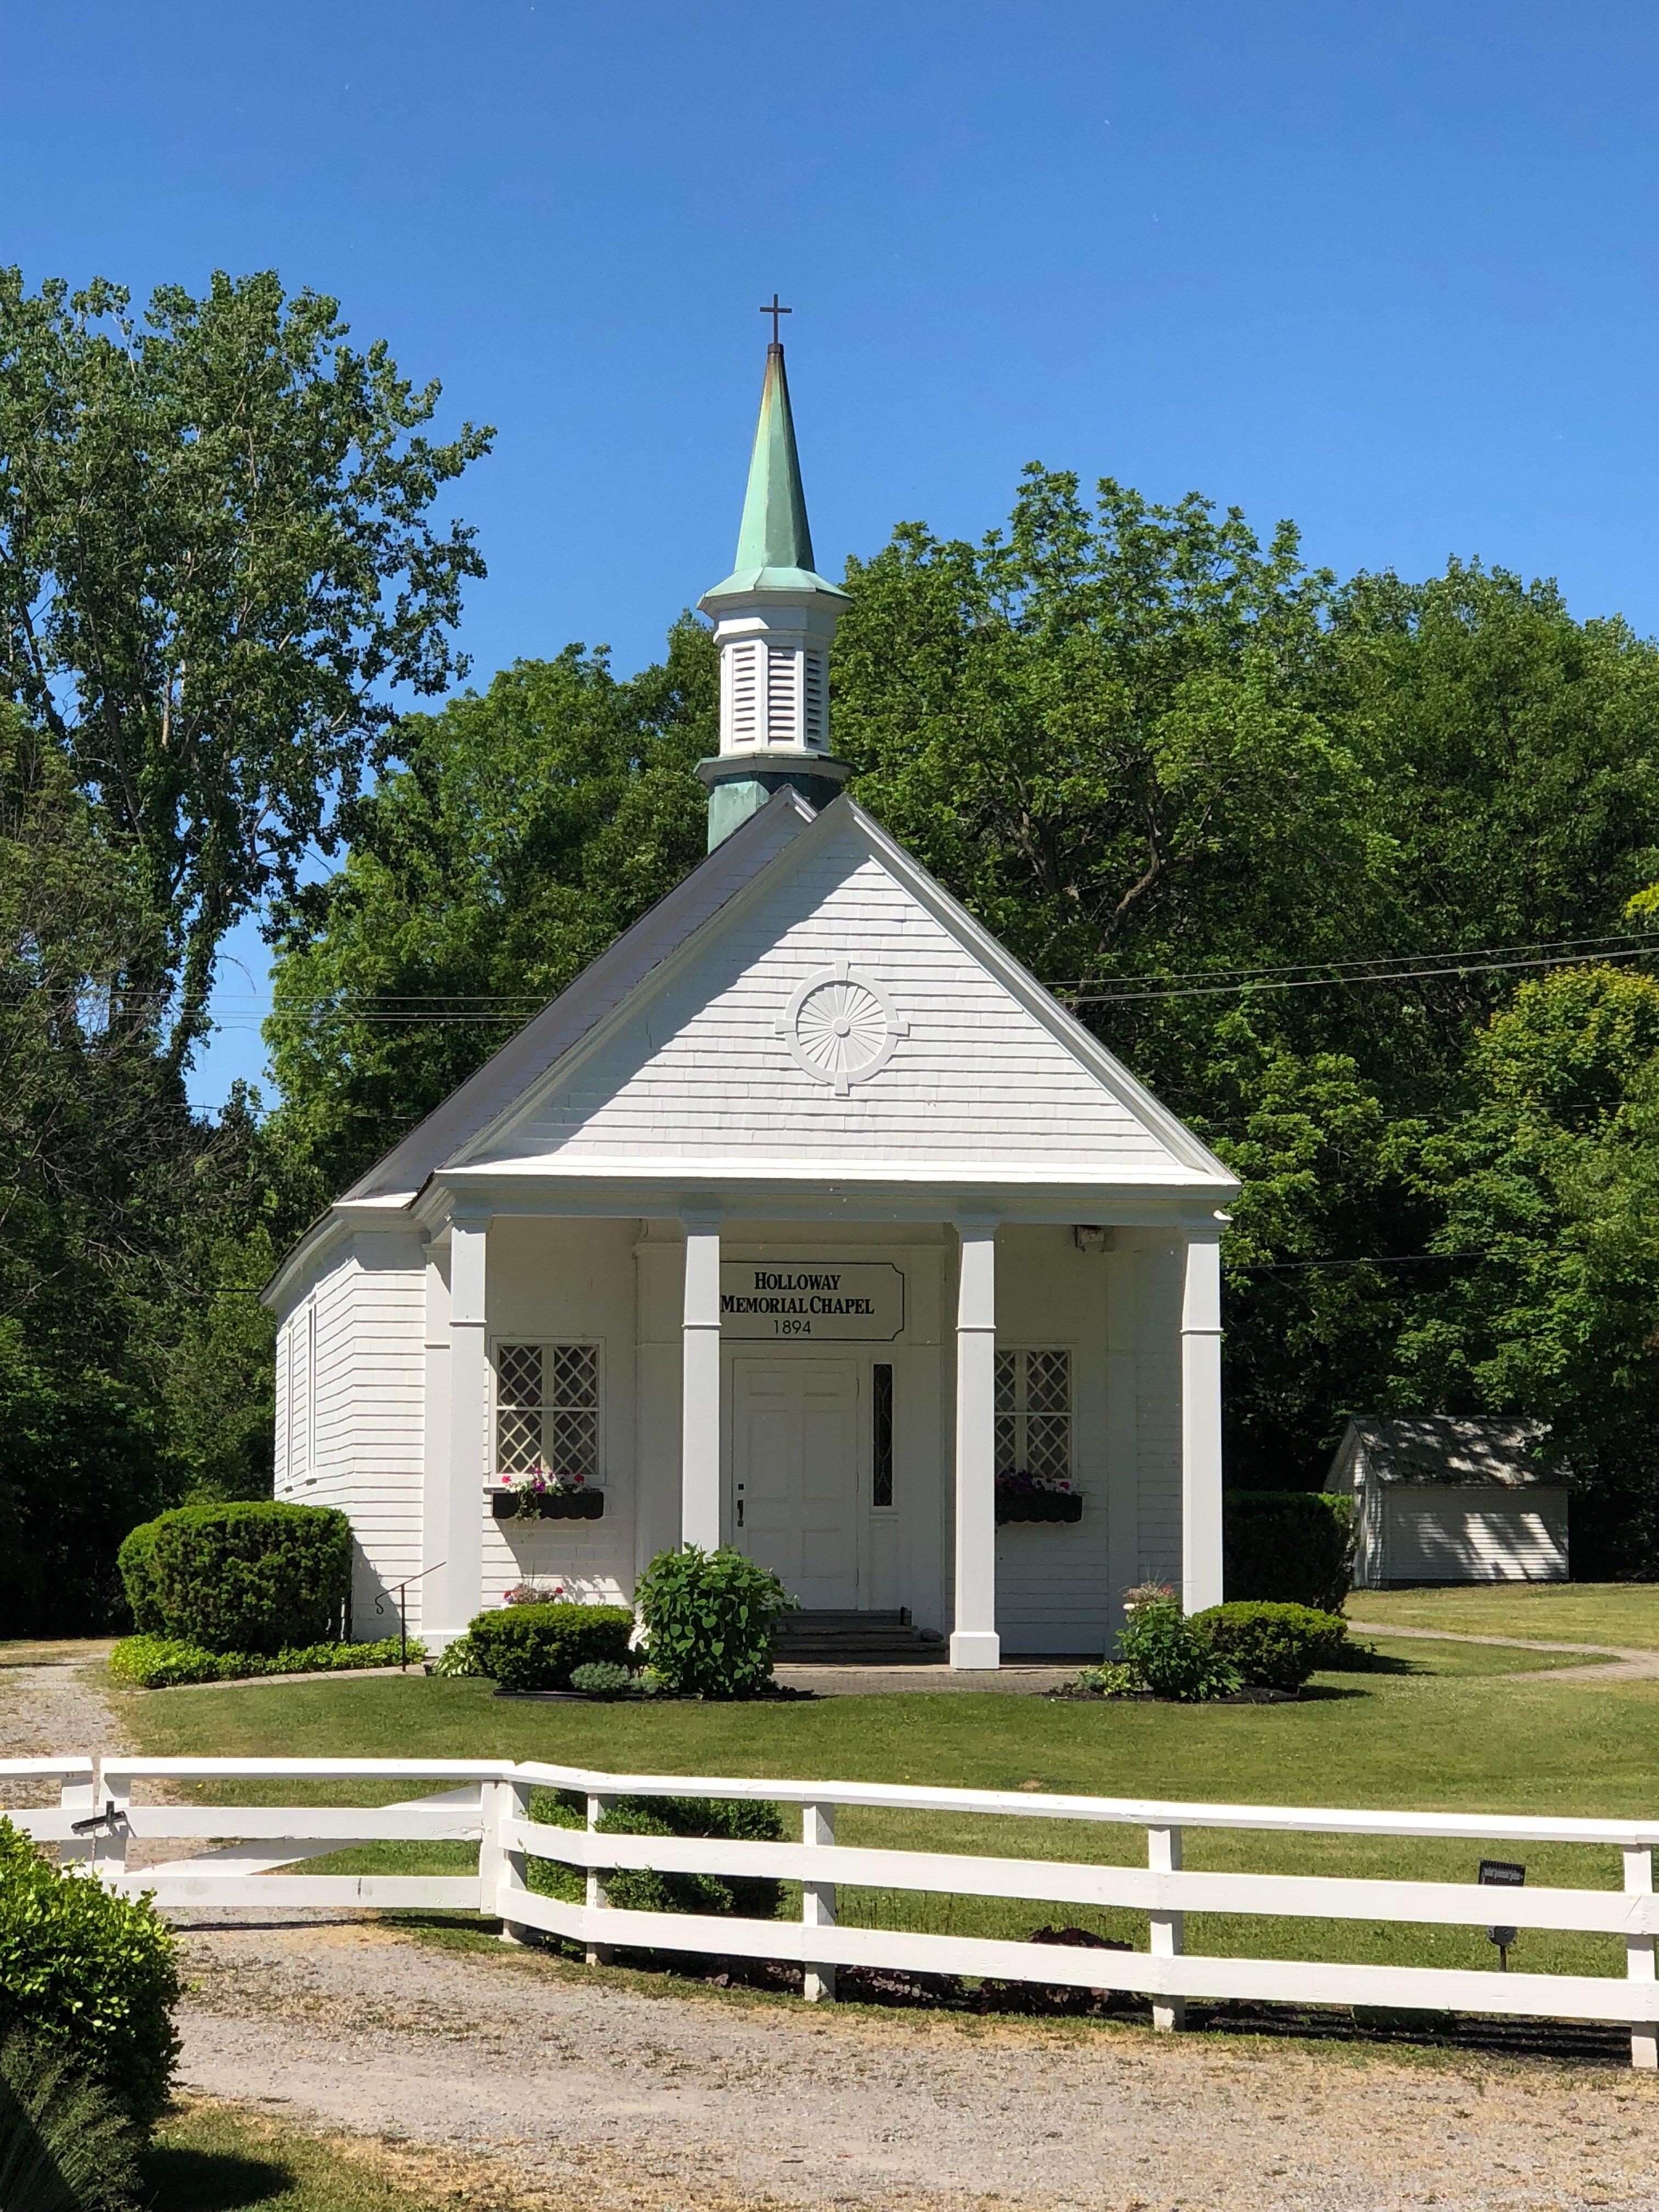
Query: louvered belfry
774	617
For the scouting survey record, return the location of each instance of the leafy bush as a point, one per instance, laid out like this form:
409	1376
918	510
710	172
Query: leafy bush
534	1647
1113	1680
459	1657
1274	1647
240	1577
709	1619
1295	1546
601	1677
65	2143
1168	1654
163	1662
87	1974
641	1889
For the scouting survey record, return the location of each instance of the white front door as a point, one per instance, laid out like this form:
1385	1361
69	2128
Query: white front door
795	1473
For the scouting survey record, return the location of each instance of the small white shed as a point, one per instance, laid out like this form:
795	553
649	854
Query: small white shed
1441	1498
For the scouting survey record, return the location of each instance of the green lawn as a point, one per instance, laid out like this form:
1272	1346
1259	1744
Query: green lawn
1576	1613
1454	1729
217	2157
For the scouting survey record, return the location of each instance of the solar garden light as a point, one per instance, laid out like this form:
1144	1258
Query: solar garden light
1507	1875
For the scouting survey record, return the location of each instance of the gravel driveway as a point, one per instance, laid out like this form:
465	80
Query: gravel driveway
619	2099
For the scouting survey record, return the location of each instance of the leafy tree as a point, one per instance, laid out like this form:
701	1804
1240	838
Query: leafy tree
1104	729
531	824
217	560
1547	1196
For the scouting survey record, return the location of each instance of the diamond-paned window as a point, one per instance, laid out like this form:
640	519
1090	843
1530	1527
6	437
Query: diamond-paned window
1034	1414
547	1409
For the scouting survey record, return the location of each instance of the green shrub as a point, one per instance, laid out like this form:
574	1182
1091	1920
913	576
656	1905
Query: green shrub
1294	1547
1274	1647
136	1561
65	2143
1113	1680
163	1662
601	1677
1167	1654
87	1973
459	1656
641	1889
709	1619
241	1576
534	1647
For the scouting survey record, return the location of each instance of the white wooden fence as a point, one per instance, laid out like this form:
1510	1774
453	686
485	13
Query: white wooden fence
488	1804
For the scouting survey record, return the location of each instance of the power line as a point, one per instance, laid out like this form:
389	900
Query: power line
1463	969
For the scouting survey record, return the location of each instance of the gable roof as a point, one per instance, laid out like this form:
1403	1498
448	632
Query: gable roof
1448	1447
505	1076
660	1054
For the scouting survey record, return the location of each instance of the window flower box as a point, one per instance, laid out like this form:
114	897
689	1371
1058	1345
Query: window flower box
541	1500
1036	1498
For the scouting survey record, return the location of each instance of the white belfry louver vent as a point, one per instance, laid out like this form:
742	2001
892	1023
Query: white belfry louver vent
780	695
744	702
812	697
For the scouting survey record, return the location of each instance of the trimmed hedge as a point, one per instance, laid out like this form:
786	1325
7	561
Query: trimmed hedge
1274	1647
161	1663
534	1647
89	1974
240	1577
709	1619
641	1889
1292	1546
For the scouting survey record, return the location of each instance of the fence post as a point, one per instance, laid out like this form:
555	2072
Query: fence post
1164	1857
502	1865
80	1799
110	1852
599	1954
817	1900
1639	1960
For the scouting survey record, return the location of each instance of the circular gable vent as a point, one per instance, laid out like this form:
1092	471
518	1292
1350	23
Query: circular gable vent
842	1028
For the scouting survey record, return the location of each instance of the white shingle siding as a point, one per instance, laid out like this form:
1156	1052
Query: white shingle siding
701	1071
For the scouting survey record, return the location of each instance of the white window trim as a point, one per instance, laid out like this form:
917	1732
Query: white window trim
599	1478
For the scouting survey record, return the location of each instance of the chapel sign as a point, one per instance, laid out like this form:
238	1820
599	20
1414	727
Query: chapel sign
827	1301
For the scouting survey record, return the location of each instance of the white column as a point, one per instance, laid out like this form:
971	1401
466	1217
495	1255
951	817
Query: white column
425	1596
459	1582
1200	1421
974	1636
1124	1292
700	1399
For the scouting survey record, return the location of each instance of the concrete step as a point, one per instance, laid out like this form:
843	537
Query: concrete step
844	1638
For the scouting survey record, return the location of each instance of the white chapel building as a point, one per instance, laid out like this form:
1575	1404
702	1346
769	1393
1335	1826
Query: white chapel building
799	1218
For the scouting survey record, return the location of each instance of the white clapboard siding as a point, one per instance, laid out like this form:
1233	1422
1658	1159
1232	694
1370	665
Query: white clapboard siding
382	1484
593	1560
698	1068
1437	1531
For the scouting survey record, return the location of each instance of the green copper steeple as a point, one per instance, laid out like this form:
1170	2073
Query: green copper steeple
775	544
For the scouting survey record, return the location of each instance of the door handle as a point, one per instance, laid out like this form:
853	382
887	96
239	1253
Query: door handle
739	1513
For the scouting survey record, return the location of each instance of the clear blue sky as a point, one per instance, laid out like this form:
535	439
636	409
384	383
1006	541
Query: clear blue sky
1389	270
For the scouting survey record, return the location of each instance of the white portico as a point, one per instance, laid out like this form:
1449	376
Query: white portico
801	1221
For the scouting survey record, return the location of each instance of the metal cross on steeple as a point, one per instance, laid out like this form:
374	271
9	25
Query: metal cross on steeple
775	310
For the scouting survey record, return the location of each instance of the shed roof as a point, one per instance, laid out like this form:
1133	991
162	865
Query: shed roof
1449	1447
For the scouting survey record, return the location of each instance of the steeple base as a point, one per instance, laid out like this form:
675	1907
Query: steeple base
740	785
